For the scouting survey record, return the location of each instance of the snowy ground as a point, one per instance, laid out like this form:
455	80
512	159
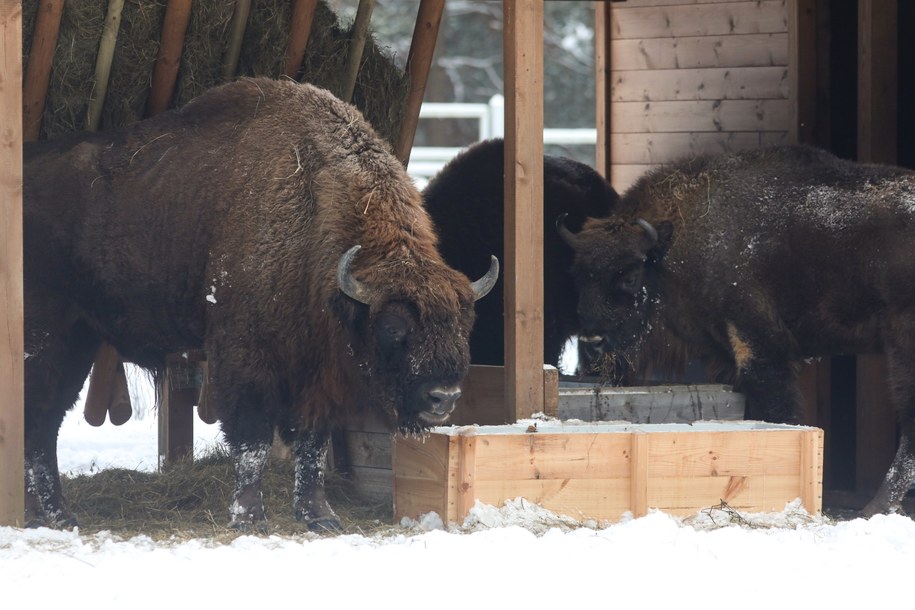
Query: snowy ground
514	556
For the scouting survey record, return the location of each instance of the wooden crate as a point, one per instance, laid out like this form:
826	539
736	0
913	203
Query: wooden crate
603	470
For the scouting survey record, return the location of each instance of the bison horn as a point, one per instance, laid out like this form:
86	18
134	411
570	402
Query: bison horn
482	286
567	236
348	284
652	232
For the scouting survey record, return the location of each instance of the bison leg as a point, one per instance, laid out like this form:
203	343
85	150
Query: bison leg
54	374
247	508
898	481
310	503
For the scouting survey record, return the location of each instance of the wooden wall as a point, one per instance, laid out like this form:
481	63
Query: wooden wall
694	76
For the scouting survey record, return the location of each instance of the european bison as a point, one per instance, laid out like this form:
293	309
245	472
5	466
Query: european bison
266	223
465	200
755	261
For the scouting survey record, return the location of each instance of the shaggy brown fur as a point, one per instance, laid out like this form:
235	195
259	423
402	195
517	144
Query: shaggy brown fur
760	260
220	226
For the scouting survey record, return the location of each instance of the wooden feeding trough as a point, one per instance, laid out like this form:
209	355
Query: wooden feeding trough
603	470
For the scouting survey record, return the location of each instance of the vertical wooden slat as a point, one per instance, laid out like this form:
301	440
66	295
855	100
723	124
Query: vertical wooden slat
419	61
466	491
875	428
176	436
638	474
802	62
356	46
812	470
103	63
603	86
165	71
523	50
303	14
12	500
236	35
38	72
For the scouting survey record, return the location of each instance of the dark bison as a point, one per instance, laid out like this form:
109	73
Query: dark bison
266	223
755	261
465	201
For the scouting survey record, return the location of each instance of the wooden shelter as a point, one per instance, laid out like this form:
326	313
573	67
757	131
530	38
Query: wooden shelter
673	77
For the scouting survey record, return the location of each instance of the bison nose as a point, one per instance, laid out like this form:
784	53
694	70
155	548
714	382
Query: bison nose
442	400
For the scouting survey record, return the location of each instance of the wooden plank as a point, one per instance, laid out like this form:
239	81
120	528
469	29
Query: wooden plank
665	147
426	459
103	63
236	36
358	37
812	470
699	454
12	422
370	449
689	116
579	499
523	50
603	79
733	18
877	142
638	477
679	496
176	423
626	4
303	14
466	493
552	456
165	70
419	61
700	52
38	72
756	83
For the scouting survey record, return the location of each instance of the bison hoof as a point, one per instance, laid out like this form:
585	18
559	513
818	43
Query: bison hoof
324	525
246	526
64	523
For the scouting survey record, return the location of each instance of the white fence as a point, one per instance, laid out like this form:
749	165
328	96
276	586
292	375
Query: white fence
426	161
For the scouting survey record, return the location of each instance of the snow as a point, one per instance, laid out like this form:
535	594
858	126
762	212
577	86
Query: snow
513	556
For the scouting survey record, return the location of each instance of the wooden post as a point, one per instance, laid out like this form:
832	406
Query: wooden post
165	71
523	50
236	35
12	424
303	14
802	62
603	87
103	63
419	61
176	408
38	73
356	46
877	122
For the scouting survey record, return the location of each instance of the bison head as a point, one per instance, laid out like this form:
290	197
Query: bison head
616	272
410	332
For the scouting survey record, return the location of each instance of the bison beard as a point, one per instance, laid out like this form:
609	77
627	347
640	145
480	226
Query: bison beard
754	262
267	224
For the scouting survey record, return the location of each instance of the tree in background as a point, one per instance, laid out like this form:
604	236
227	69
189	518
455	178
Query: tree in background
468	65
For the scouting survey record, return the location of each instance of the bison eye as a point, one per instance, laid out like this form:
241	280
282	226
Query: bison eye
392	329
629	283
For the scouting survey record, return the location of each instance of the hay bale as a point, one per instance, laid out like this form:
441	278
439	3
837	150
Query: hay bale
380	89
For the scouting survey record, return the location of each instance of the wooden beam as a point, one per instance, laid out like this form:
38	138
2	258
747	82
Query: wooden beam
38	73
165	71
802	64
176	422
523	51
103	63
419	61
356	46
12	423
303	14
603	86
236	35
877	128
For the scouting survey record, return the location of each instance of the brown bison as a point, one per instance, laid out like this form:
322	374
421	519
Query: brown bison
755	261
267	224
465	200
